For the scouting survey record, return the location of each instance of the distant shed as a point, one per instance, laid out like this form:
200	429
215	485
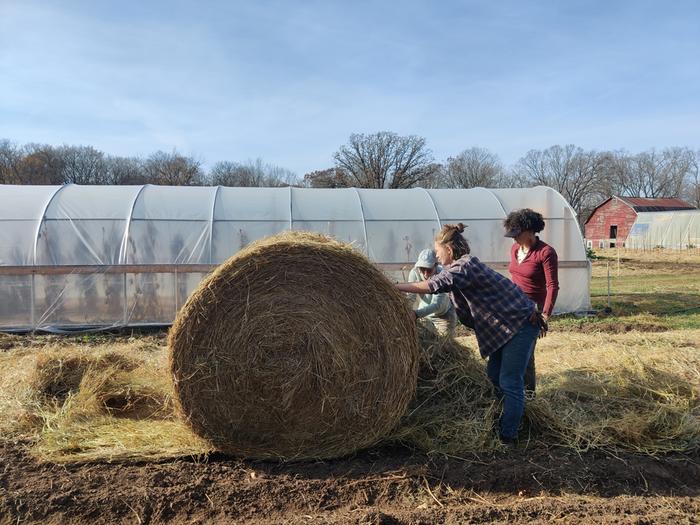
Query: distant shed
611	221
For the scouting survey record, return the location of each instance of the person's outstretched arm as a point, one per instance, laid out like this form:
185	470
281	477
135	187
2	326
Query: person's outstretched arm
421	287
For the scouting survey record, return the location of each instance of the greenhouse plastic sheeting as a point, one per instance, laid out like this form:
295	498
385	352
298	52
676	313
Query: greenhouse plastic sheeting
78	257
677	230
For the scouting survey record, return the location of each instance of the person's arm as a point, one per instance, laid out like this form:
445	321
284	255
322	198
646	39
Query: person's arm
421	287
414	277
550	264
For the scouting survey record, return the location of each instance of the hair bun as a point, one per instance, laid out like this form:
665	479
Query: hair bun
460	227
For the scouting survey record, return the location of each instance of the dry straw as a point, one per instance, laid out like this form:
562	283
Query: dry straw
454	409
296	347
635	392
84	404
59	373
620	400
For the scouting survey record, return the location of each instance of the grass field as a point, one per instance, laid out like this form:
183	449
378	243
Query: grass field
649	291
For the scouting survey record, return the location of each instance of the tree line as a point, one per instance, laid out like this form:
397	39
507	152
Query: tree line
380	160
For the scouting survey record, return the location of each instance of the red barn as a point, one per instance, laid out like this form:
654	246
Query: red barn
611	221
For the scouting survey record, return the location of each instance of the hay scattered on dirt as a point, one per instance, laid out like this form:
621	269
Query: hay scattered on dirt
296	347
638	392
59	373
78	404
454	409
634	392
612	399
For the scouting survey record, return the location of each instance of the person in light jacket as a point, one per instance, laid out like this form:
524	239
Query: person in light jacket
435	308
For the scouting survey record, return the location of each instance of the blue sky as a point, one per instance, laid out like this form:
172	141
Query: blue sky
288	82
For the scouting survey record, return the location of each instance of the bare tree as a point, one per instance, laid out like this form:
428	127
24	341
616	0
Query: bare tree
10	162
615	168
124	170
41	164
328	178
82	165
656	175
691	190
474	167
172	169
571	171
386	160
255	173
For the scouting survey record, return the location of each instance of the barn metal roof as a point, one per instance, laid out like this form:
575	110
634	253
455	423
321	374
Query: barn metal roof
642	204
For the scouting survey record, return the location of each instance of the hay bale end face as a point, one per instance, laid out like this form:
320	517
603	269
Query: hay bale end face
297	347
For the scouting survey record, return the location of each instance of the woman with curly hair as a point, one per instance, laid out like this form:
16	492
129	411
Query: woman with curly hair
504	320
534	268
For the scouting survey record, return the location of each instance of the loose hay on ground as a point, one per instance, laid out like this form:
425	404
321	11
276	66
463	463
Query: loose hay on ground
296	347
59	373
641	394
638	392
120	409
454	409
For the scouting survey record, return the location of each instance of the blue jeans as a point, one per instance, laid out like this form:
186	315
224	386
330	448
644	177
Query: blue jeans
506	370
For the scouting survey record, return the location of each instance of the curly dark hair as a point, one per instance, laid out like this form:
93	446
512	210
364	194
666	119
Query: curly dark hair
524	220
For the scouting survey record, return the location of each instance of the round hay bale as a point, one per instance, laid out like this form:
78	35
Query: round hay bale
297	347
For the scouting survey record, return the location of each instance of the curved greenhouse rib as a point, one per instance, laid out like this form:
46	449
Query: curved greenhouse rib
43	216
211	225
432	201
691	222
664	237
364	224
32	313
127	227
500	204
568	206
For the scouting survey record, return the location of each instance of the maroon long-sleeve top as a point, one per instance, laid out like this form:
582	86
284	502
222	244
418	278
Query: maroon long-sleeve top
537	275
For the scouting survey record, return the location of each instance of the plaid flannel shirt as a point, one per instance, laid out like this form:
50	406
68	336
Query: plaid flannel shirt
484	300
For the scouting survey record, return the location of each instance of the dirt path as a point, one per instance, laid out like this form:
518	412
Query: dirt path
386	486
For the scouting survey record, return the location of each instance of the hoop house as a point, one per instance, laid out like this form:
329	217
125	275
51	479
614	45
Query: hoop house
677	230
78	257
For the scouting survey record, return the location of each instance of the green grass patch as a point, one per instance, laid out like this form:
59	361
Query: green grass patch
644	302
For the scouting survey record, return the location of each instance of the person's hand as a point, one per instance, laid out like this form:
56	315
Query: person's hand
539	320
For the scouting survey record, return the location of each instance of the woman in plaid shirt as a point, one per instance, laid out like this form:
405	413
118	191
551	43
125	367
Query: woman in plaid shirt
504	319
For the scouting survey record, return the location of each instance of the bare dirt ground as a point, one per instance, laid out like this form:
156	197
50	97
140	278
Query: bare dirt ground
384	486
